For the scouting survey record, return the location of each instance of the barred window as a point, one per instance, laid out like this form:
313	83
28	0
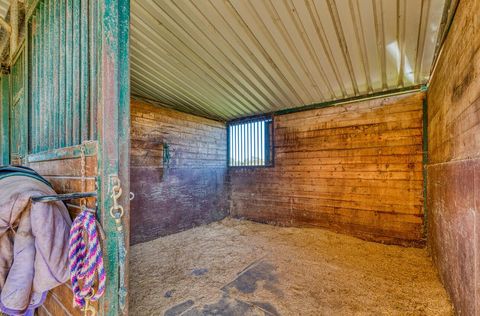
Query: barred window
250	142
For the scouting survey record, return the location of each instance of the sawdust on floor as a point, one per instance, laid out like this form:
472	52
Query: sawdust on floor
237	267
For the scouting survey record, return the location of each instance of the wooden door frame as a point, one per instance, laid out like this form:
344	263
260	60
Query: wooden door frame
113	119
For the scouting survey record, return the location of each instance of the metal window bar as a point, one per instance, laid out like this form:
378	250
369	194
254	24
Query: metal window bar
250	143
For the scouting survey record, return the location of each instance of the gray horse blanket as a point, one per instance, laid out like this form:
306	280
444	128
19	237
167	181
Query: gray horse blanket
33	244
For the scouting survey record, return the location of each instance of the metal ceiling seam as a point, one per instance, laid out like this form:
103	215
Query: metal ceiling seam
360	37
308	43
261	84
134	88
262	50
266	79
424	10
325	44
264	71
160	104
198	64
219	69
154	101
288	40
175	99
277	50
273	94
401	21
380	35
165	94
169	44
234	74
448	15
204	105
191	84
246	76
179	74
172	86
147	93
163	90
343	44
294	80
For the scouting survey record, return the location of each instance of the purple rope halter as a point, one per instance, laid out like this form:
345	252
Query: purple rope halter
85	261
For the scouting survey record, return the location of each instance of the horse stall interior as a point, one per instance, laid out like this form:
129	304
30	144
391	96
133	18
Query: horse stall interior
64	95
282	157
304	158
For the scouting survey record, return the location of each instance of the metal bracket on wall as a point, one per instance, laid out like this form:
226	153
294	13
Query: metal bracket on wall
63	197
166	154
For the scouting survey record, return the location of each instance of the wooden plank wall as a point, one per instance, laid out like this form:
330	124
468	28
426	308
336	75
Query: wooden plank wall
453	171
65	176
354	168
190	189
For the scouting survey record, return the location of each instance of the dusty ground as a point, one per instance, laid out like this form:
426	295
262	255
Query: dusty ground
238	267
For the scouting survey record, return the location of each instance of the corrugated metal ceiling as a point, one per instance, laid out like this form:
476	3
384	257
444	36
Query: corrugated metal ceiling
4	5
233	58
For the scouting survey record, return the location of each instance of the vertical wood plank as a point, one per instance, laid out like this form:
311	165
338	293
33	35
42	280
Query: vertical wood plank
57	131
43	140
93	16
46	118
50	97
61	74
76	73
5	124
113	155
84	68
35	85
69	73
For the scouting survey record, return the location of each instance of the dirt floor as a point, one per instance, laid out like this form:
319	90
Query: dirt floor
236	267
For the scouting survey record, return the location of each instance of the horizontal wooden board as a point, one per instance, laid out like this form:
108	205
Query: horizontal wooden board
188	189
62	168
355	168
454	161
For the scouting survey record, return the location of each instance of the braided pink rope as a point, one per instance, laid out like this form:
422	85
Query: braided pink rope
85	261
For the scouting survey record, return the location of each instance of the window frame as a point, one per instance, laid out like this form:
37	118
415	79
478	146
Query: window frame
270	133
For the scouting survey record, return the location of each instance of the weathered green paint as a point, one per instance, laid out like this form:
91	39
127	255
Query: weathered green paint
84	84
93	29
61	73
76	72
68	73
113	135
4	120
18	109
78	56
64	153
60	36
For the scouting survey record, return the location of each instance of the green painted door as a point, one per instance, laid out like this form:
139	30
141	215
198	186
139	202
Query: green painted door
4	120
18	112
79	91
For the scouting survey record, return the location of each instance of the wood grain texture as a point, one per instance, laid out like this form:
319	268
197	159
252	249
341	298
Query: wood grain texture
188	190
454	161
65	176
355	168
